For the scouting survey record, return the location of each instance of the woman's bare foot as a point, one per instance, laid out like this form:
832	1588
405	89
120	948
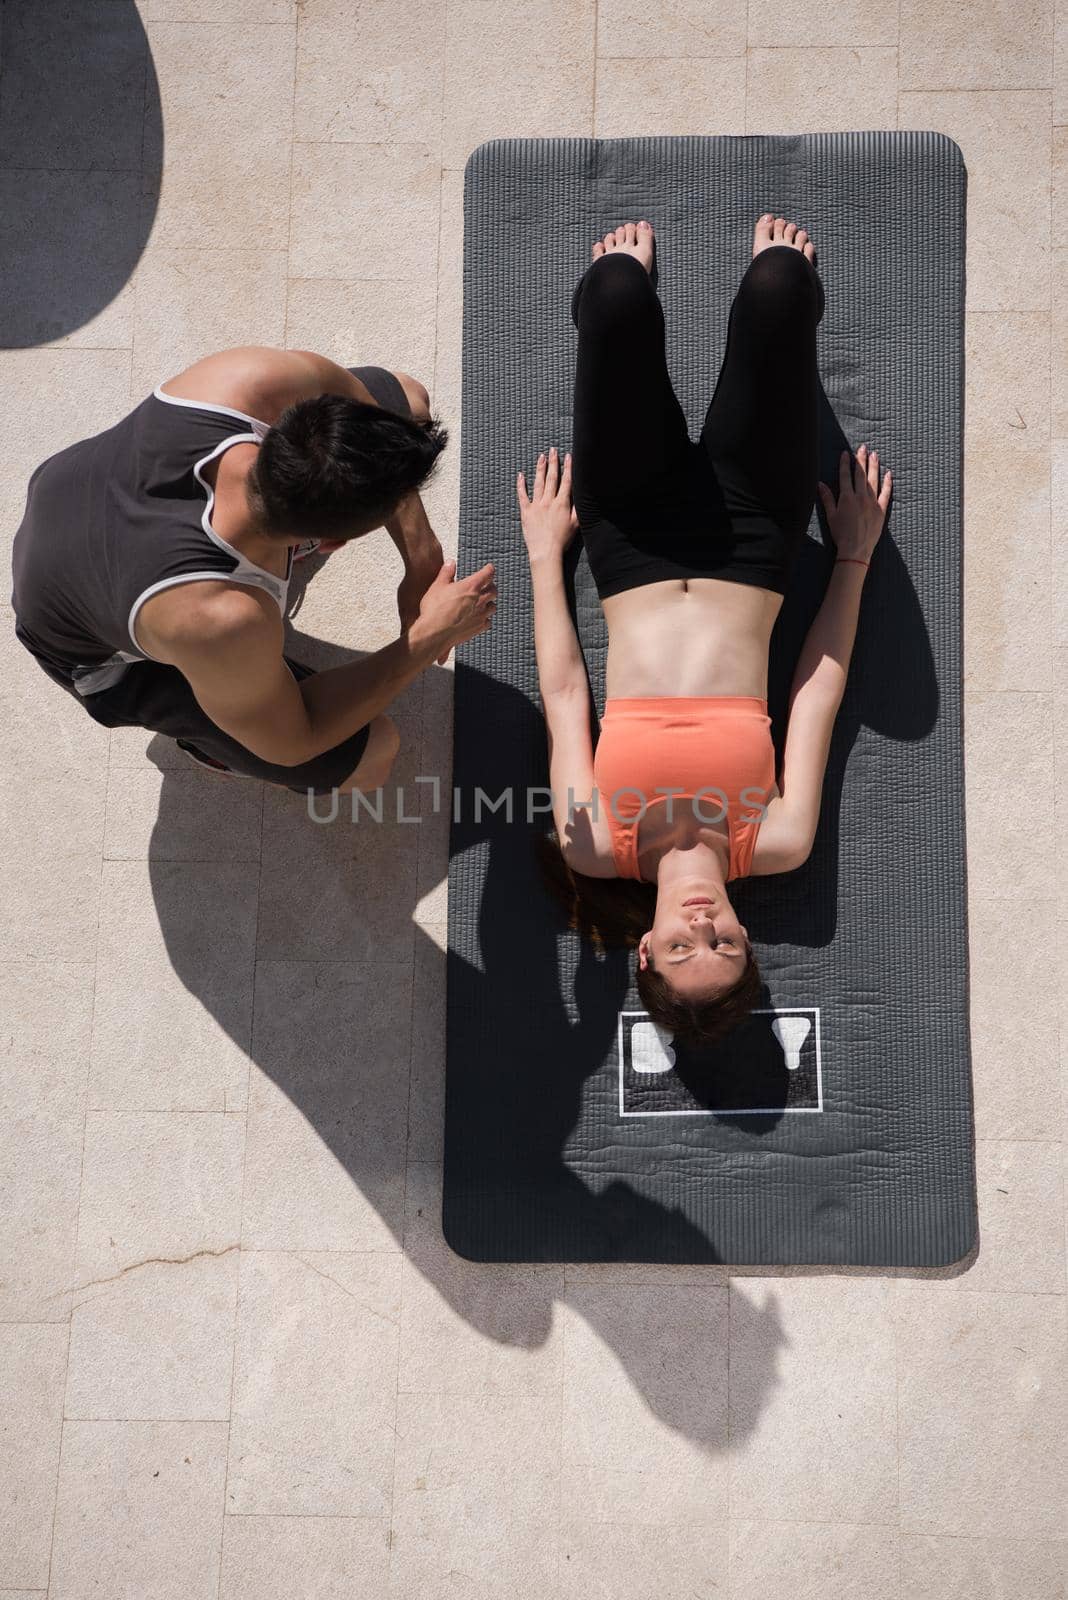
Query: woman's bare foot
776	230
629	239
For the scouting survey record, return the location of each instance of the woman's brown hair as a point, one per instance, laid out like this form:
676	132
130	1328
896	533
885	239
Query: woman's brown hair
614	913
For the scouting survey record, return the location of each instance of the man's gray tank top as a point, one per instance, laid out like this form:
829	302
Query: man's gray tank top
116	518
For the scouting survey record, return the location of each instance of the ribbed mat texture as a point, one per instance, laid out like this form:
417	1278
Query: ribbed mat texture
556	1150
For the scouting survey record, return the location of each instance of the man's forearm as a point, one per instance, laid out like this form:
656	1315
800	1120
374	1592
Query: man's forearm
561	668
409	528
828	647
342	700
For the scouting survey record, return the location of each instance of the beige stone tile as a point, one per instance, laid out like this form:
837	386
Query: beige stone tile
627	1561
812	1426
1007	381
645	1403
974	45
140	1510
1007	740
1014	1006
328	1107
482	102
220	11
366	322
450	298
1059	541
181	816
1059	233
45	1014
702	95
74	87
193	301
173	1018
337	1558
1060	62
471	1328
1005	139
982	1413
371	75
981	1569
814	22
426	1100
833	1562
56	222
366	209
245	76
476	1491
1060	344
1021	1219
562	29
805	91
157	1344
1006	568
53	397
684	29
314	1385
132	747
338	890
33	1362
157	1185
50	863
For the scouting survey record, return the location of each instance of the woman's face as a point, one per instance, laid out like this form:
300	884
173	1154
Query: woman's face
696	942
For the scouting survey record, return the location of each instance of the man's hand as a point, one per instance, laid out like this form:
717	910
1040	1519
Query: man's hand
549	520
454	610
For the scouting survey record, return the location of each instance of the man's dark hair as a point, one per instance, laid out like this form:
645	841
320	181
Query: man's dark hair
330	463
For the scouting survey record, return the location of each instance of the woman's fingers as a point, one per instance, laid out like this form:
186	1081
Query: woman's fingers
873	472
521	489
552	473
845	476
887	490
539	477
565	478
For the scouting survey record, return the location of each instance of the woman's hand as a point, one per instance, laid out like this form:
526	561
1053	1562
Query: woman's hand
550	522
857	518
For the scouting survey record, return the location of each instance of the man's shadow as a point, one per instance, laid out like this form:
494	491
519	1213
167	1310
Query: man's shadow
333	1029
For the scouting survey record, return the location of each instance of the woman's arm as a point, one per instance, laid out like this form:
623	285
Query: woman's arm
549	525
856	522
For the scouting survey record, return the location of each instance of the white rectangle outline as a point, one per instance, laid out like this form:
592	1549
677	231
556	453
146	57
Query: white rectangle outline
751	1111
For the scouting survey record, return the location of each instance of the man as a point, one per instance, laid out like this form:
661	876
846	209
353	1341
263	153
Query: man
152	564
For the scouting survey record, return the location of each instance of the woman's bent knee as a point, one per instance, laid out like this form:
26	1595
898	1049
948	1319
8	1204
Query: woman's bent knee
376	763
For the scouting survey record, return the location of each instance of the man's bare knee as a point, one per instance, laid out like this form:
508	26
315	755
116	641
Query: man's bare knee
417	394
377	760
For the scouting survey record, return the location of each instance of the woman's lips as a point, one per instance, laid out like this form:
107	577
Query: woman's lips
699	900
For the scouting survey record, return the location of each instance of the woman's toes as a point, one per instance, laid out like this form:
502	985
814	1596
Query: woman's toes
645	226
776	232
789	232
631	233
800	238
598	249
810	250
610	239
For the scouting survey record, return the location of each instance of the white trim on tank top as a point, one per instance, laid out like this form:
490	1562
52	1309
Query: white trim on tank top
246	572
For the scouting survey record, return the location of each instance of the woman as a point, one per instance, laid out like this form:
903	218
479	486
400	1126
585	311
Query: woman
691	546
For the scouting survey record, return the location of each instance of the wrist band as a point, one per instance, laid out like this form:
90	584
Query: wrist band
855	559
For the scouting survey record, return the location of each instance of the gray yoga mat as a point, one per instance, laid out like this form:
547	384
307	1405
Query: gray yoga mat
837	1127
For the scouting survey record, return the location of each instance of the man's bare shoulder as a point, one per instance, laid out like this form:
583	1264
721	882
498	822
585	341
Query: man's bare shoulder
209	618
261	380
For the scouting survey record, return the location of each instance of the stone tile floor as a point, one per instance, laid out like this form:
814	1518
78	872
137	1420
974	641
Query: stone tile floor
236	1359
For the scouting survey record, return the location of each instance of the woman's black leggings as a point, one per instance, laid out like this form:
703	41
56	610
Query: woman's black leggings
651	503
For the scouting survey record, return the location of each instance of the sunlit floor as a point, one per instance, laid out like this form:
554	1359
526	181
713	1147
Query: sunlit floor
237	1359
